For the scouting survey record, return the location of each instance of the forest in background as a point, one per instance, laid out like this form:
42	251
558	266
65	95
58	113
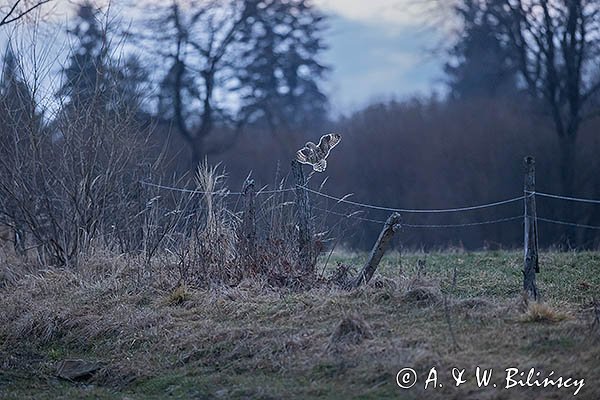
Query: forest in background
240	83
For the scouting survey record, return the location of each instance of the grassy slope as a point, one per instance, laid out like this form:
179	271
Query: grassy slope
250	343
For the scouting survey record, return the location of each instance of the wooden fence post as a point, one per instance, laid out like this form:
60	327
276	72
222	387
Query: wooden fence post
391	226
305	234
249	222
530	266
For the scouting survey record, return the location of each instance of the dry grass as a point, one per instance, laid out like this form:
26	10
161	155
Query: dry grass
542	312
179	295
475	303
351	330
255	341
422	296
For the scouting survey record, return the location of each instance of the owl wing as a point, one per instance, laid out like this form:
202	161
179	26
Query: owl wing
328	142
306	154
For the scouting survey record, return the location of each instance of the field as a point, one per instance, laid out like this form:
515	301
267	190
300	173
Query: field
446	310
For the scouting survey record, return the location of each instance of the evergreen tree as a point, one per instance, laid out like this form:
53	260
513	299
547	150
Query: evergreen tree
482	63
19	117
16	99
92	77
126	85
85	75
20	128
281	74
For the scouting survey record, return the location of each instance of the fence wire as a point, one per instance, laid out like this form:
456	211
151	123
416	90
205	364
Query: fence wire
567	198
556	222
354	215
489	222
184	190
226	192
414	211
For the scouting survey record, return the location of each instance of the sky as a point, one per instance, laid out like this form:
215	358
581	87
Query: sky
378	50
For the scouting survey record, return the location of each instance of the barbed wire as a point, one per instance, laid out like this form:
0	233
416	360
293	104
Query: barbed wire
414	211
553	221
556	196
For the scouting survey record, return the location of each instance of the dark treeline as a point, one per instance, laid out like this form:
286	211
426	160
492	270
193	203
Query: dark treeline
524	79
239	82
442	154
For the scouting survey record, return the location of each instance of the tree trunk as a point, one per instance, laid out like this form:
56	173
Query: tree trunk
197	151
567	176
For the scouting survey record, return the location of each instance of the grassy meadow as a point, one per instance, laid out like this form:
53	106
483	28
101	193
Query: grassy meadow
447	310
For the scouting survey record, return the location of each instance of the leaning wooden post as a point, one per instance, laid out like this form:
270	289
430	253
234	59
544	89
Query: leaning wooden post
391	226
530	265
305	234
249	222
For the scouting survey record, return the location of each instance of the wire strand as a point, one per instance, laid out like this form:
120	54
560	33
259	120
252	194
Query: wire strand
556	196
275	191
496	221
183	190
351	215
413	211
552	221
193	191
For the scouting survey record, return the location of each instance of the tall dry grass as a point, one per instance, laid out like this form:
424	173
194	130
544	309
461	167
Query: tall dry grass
72	184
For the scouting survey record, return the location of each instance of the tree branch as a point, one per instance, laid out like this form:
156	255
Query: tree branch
7	18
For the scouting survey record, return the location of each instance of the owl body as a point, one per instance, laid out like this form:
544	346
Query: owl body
316	155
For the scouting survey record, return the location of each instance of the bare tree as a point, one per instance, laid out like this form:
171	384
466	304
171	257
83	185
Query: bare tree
69	176
232	62
557	50
18	9
197	42
554	46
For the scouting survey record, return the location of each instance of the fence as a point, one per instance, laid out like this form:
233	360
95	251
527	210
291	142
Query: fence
304	209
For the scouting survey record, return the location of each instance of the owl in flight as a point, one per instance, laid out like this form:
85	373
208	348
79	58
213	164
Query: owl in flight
315	155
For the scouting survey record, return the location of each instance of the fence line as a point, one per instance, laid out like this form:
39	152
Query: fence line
489	222
414	211
273	191
183	190
351	215
556	196
552	221
410	211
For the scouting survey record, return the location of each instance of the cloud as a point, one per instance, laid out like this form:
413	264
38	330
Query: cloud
389	12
